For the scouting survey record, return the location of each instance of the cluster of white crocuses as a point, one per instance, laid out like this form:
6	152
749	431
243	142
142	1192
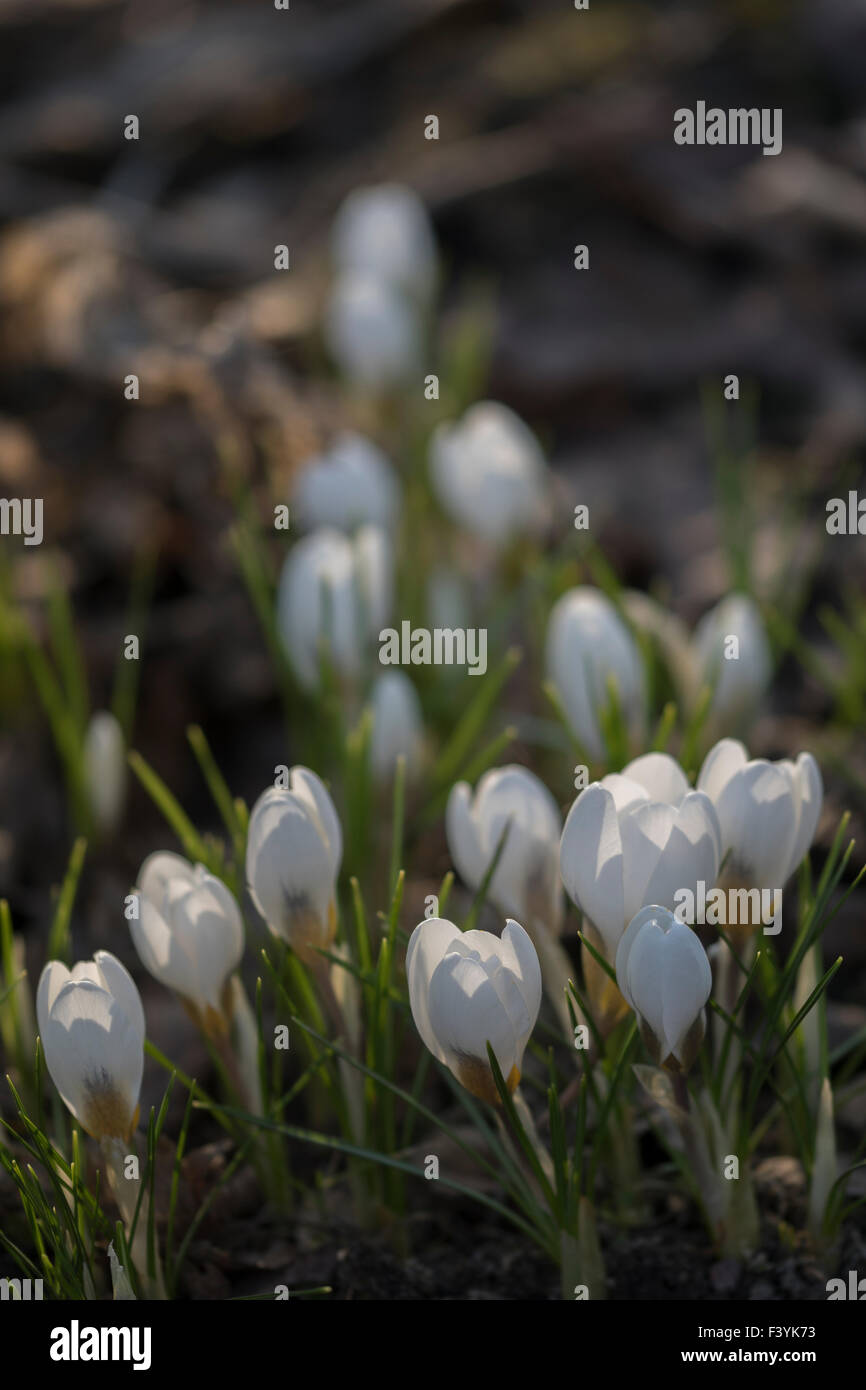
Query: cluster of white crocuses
632	844
591	646
187	928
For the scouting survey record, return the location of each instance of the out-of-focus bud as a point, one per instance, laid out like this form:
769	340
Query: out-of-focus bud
352	484
335	593
385	231
489	473
373	332
732	655
105	769
398	725
588	644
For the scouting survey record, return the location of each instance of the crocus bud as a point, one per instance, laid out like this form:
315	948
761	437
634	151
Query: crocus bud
635	838
470	988
398	725
189	935
373	332
352	484
385	231
334	592
447	599
588	644
489	473
732	656
294	849
105	769
525	882
91	1022
768	812
664	976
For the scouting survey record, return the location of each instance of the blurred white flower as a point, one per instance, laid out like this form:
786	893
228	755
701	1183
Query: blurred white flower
637	838
738	681
525	883
351	484
664	975
447	603
105	769
489	473
337	591
189	935
587	644
768	812
373	332
398	725
385	231
91	1023
294	850
470	988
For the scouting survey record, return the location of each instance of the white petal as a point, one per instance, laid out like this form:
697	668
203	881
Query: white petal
660	775
121	986
159	871
723	762
466	1013
808	800
54	976
591	862
645	833
520	957
691	854
464	843
687	982
427	946
757	818
309	788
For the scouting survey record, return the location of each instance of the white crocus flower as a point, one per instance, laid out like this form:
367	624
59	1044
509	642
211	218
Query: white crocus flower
189	935
294	850
470	988
351	484
398	725
373	332
334	593
385	231
664	975
525	883
588	644
738	680
105	768
91	1022
635	838
768	812
489	473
